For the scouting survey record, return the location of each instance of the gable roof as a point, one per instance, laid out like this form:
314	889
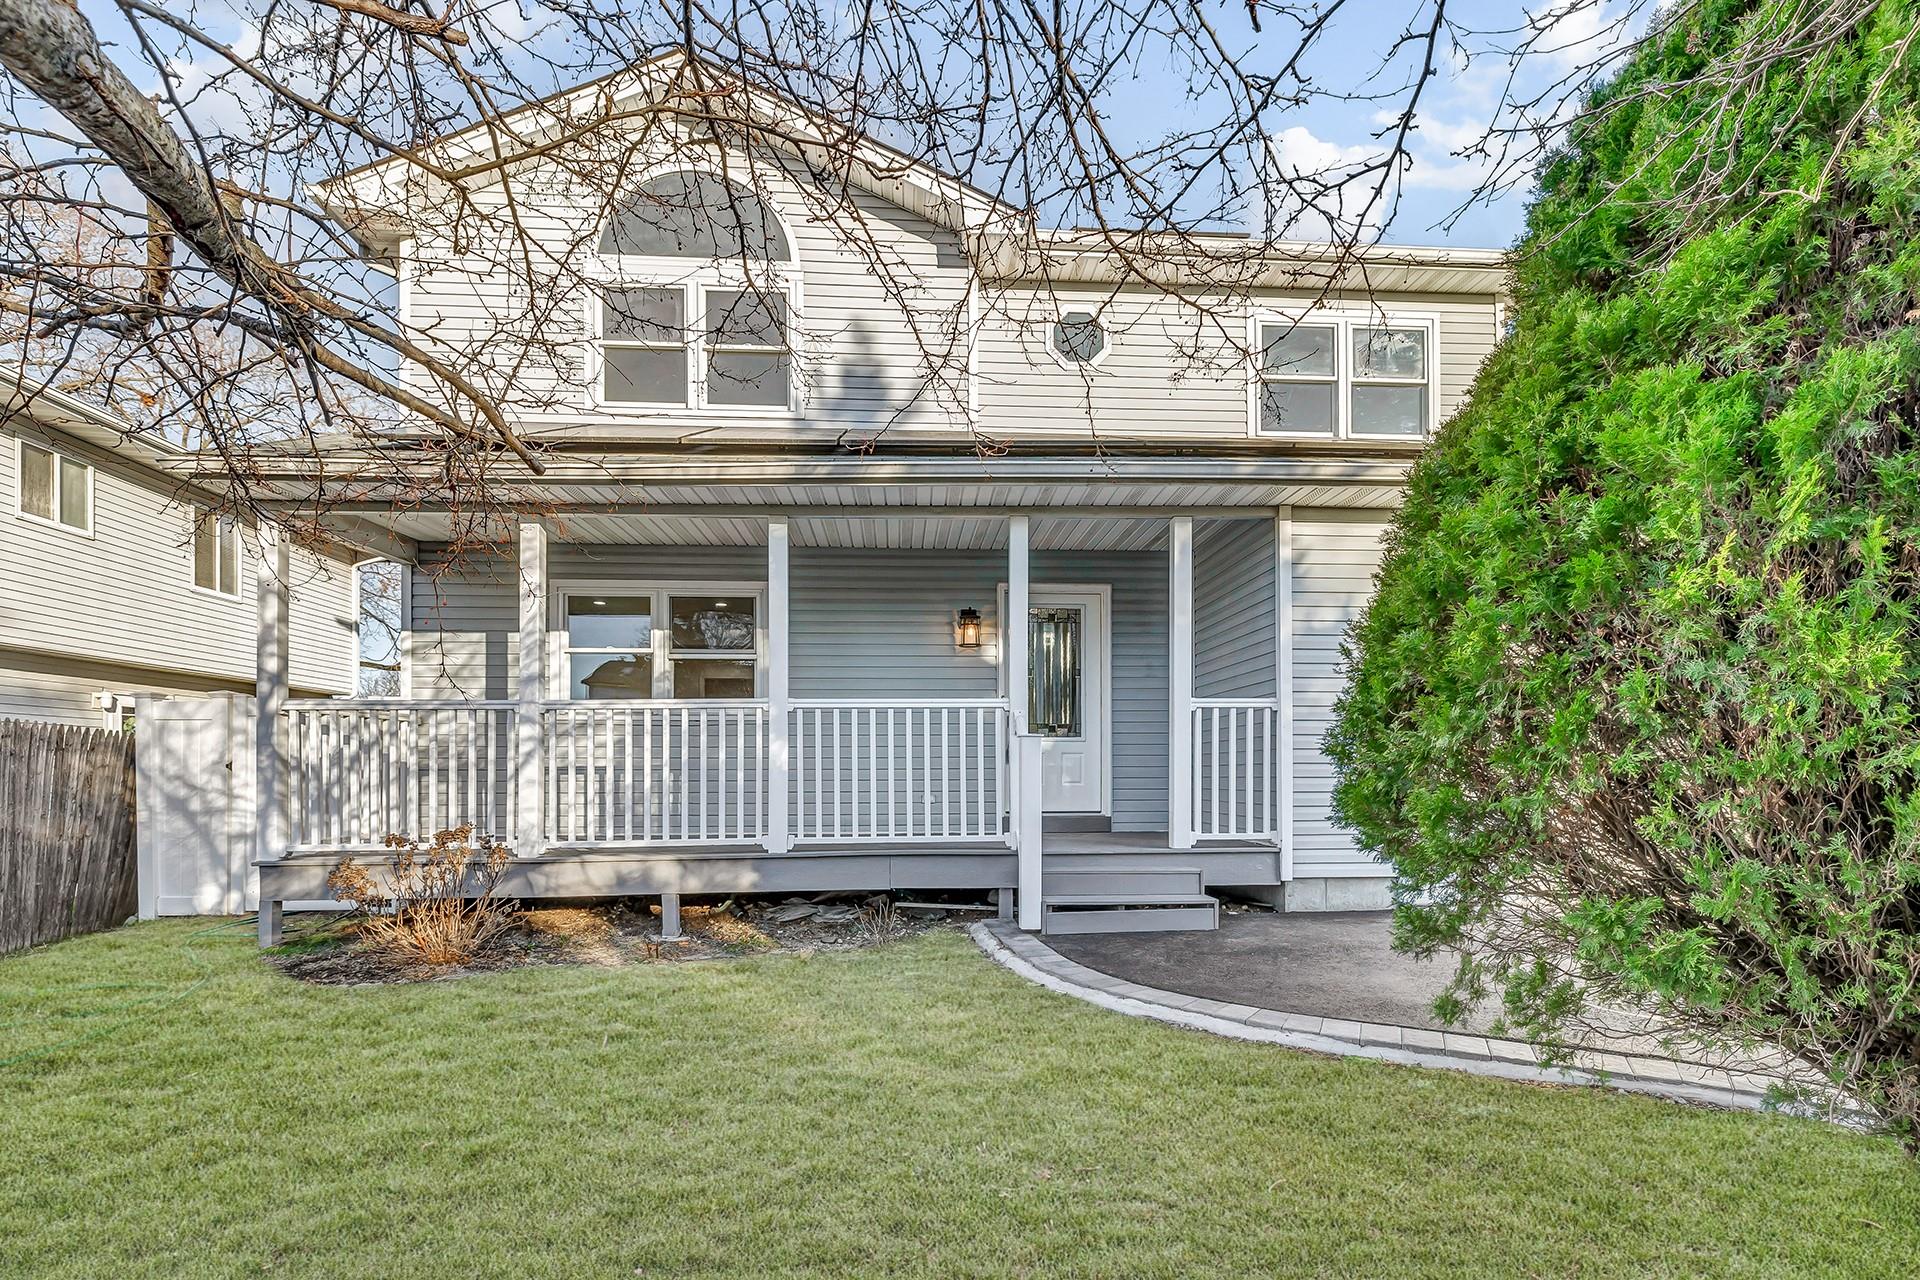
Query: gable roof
24	396
359	196
1009	243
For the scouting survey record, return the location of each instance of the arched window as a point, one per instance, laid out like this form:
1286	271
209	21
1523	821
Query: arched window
699	306
690	214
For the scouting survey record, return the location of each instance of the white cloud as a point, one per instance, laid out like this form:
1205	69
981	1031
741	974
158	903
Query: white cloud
1317	190
1300	153
1574	33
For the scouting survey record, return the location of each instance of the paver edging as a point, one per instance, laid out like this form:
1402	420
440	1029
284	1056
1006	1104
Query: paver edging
1032	959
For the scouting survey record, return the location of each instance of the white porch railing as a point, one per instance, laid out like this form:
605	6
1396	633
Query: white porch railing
1235	769
893	771
651	773
655	772
369	768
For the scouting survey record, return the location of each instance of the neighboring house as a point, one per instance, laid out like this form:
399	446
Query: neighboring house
737	656
118	583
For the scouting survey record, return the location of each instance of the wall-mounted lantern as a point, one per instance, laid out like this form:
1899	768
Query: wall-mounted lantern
967	630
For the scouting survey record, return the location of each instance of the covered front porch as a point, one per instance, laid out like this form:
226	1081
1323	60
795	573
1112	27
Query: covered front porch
694	702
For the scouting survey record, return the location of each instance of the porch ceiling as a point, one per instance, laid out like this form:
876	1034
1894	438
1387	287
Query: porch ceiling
932	517
931	533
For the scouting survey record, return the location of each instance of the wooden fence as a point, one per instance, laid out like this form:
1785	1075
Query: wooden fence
67	861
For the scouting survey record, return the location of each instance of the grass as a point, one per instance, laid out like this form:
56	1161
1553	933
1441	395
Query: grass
169	1106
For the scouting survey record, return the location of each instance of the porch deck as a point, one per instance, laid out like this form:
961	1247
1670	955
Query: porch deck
836	727
815	867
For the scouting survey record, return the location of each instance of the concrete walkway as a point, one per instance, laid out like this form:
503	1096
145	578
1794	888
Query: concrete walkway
1407	1040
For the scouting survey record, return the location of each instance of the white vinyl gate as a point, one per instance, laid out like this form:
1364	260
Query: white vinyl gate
193	771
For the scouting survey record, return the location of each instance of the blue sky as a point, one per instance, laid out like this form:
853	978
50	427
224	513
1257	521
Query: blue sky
1457	107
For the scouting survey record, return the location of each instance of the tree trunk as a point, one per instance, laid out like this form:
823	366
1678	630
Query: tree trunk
51	49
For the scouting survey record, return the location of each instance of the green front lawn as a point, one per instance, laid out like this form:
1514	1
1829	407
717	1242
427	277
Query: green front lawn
171	1107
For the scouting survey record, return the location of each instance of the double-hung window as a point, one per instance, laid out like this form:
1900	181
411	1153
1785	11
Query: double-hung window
1388	395
680	642
736	356
644	347
216	552
1343	376
609	645
747	360
53	488
713	645
697	307
1299	380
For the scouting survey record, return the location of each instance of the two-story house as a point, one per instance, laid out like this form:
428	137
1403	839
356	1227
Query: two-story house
1088	667
121	580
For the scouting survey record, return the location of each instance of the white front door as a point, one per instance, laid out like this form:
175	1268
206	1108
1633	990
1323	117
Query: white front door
1067	659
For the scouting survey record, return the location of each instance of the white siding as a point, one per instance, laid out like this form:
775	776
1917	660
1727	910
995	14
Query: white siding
885	322
64	691
873	334
125	595
1335	554
1175	369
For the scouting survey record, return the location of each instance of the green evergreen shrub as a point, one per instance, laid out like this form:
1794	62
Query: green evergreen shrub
1636	710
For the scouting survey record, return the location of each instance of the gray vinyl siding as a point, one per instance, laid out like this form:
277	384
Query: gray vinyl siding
465	610
872	353
37	686
879	623
1335	554
889	336
864	624
571	562
463	620
872	623
125	596
1234	628
1175	369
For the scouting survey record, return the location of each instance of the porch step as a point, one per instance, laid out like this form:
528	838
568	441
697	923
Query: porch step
1128	912
1121	878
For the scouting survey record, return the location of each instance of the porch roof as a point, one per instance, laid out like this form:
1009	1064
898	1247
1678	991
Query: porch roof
1077	502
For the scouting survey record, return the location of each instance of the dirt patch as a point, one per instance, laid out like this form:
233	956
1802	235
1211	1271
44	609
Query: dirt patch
627	931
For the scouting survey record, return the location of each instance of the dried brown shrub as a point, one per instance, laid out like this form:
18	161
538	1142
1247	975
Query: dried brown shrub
436	902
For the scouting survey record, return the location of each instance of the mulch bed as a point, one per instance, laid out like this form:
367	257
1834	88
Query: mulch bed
627	931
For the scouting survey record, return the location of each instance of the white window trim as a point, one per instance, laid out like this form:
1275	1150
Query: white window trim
194	512
115	707
1076	366
1344	320
694	282
20	444
660	639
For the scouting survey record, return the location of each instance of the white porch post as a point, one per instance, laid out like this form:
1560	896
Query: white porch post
779	834
1180	683
529	765
271	679
1283	681
1025	757
1013	628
